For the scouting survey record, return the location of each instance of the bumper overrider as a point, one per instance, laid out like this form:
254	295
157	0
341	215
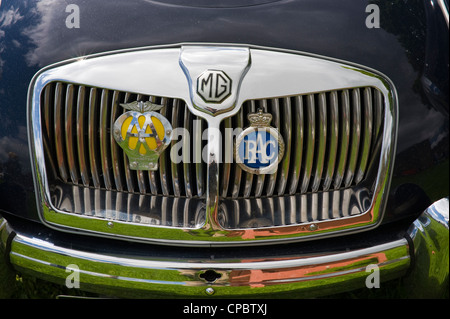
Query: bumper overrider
141	272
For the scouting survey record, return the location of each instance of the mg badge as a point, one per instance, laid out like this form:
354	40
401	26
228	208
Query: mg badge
260	147
143	134
214	86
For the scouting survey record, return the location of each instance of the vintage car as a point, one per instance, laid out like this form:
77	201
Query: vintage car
222	149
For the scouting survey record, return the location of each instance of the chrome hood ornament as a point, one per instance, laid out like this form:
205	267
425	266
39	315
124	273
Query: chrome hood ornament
143	134
214	76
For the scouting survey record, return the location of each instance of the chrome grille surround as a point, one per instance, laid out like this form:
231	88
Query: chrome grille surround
323	193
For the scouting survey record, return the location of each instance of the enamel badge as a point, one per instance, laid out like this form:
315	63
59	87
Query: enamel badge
260	147
143	134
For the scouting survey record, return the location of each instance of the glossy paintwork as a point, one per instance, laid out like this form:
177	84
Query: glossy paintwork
411	48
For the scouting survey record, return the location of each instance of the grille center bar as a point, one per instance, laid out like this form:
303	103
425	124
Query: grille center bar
214	75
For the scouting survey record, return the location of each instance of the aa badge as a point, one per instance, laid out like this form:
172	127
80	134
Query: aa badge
260	147
143	134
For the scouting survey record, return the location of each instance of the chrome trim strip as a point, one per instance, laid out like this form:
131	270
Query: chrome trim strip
276	69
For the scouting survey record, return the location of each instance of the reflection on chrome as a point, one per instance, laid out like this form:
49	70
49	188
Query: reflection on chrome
190	212
294	209
130	208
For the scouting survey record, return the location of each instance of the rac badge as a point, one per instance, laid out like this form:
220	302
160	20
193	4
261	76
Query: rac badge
143	134
260	147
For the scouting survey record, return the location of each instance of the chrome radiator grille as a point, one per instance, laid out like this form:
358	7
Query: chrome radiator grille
331	139
337	121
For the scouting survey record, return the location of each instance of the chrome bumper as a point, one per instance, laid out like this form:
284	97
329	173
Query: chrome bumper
132	274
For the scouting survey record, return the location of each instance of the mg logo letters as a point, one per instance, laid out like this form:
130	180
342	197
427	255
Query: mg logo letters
214	86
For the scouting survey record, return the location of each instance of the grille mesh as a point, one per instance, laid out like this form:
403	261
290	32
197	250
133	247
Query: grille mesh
330	140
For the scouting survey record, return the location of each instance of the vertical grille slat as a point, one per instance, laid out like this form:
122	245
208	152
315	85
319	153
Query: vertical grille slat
104	137
163	172
92	140
59	131
275	111
248	178
197	156
298	118
140	174
355	137
378	114
344	139
239	123
329	141
126	165
115	149
152	175
70	144
286	132
310	143
81	137
367	135
321	130
176	178
48	111
225	180
333	140
259	187
187	159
